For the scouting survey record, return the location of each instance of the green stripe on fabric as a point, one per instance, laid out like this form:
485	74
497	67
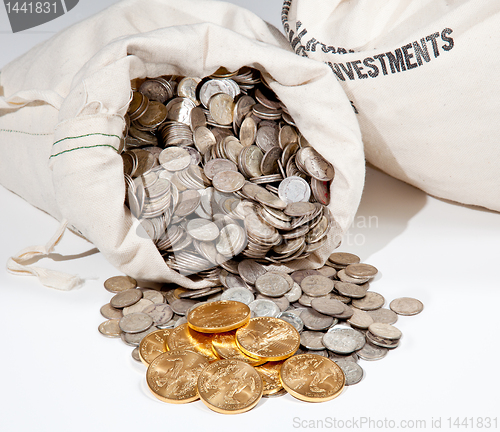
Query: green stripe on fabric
85	147
86	135
22	132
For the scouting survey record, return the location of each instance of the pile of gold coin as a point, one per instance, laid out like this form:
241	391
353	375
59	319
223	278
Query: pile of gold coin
259	333
215	167
230	360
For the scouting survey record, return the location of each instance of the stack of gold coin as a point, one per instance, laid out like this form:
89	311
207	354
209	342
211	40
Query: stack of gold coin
258	333
215	168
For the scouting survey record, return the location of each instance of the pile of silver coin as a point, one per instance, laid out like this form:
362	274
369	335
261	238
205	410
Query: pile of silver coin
333	309
215	168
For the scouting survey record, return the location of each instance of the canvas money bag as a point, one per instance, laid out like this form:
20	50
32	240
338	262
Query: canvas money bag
62	119
422	77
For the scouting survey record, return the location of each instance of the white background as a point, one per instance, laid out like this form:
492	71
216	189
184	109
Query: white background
59	374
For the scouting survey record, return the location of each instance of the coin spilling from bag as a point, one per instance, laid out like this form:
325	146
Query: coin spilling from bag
215	168
261	332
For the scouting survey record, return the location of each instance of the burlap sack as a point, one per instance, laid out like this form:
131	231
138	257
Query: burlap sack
63	106
423	79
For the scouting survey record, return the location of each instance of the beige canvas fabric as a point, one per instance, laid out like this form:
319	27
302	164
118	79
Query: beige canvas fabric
62	117
423	77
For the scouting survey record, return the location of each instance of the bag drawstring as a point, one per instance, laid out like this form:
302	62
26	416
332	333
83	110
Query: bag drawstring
50	278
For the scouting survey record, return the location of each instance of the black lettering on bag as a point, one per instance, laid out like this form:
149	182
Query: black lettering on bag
408	56
358	69
432	38
421	52
445	38
311	45
336	70
367	62
296	40
348	70
380	58
396	62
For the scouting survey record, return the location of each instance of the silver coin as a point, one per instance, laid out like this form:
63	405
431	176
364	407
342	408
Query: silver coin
181	306
272	284
383	315
312	340
110	328
202	229
316	285
353	372
134	339
250	270
294	189
344	357
161	313
327	271
370	301
351	290
126	298
406	306
292	319
228	181
328	306
118	284
263	307
299	275
294	294
348	313
203	139
316	321
361	270
296	310
282	303
231	241
215	166
298	209
360	319
306	300
343	340
174	158
341	274
343	258
137	307
385	331
135	323
384	343
135	355
109	312
153	295
238	294
372	352
221	107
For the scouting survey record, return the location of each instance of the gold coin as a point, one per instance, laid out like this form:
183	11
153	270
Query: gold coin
219	316
268	338
312	378
270	374
230	386
185	338
153	345
224	346
172	376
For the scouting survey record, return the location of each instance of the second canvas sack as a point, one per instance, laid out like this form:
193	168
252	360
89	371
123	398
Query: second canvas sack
422	78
